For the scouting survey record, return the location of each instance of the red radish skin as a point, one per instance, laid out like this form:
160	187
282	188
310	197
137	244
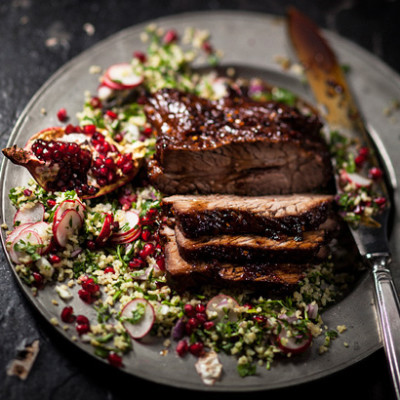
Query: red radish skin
129	234
126	239
69	205
130	219
66	227
355	178
144	325
106	230
123	75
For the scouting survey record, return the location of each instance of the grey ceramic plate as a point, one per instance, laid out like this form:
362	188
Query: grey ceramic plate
252	41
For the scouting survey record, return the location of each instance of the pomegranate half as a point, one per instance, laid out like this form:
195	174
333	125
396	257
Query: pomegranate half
86	160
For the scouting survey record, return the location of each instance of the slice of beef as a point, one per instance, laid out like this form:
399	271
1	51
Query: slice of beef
210	215
311	247
181	274
236	146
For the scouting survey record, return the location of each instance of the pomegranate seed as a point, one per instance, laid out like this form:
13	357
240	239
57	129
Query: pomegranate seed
51	203
191	325
375	173
189	310
201	318
67	314
126	168
140	56
27	192
82	320
147	131
380	201
208	325
147	250
160	261
196	348
91	245
54	258
82	328
69	128
146	234
182	348
95	102
85	296
111	114
145	220
200	308
89	129
109	270
364	152
260	319
136	263
90	286
170	36
114	359
38	278
62	115
359	160
118	137
206	46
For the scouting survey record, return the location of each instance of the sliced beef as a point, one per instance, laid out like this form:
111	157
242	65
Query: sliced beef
182	274
311	247
235	146
210	215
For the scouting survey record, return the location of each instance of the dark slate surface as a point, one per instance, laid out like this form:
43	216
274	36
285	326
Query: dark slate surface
60	371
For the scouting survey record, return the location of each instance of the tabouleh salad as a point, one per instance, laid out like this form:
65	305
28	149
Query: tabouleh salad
109	245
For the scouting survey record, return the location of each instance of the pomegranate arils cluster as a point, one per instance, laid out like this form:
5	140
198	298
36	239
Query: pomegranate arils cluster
85	167
74	163
82	322
90	290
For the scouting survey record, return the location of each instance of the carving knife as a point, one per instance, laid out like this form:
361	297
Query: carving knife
327	81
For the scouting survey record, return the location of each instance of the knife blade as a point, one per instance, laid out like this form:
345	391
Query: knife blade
331	90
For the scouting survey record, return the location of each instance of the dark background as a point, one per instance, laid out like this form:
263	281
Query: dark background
26	62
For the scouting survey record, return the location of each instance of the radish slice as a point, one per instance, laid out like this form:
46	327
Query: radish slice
104	92
138	317
123	75
15	232
107	82
126	239
128	222
106	230
43	229
29	213
76	205
293	345
222	308
355	178
67	226
26	236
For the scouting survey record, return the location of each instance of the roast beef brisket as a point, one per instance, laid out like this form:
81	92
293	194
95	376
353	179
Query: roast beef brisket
311	247
211	215
235	146
183	274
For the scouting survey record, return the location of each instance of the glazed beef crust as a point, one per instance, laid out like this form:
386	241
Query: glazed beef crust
210	215
234	145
